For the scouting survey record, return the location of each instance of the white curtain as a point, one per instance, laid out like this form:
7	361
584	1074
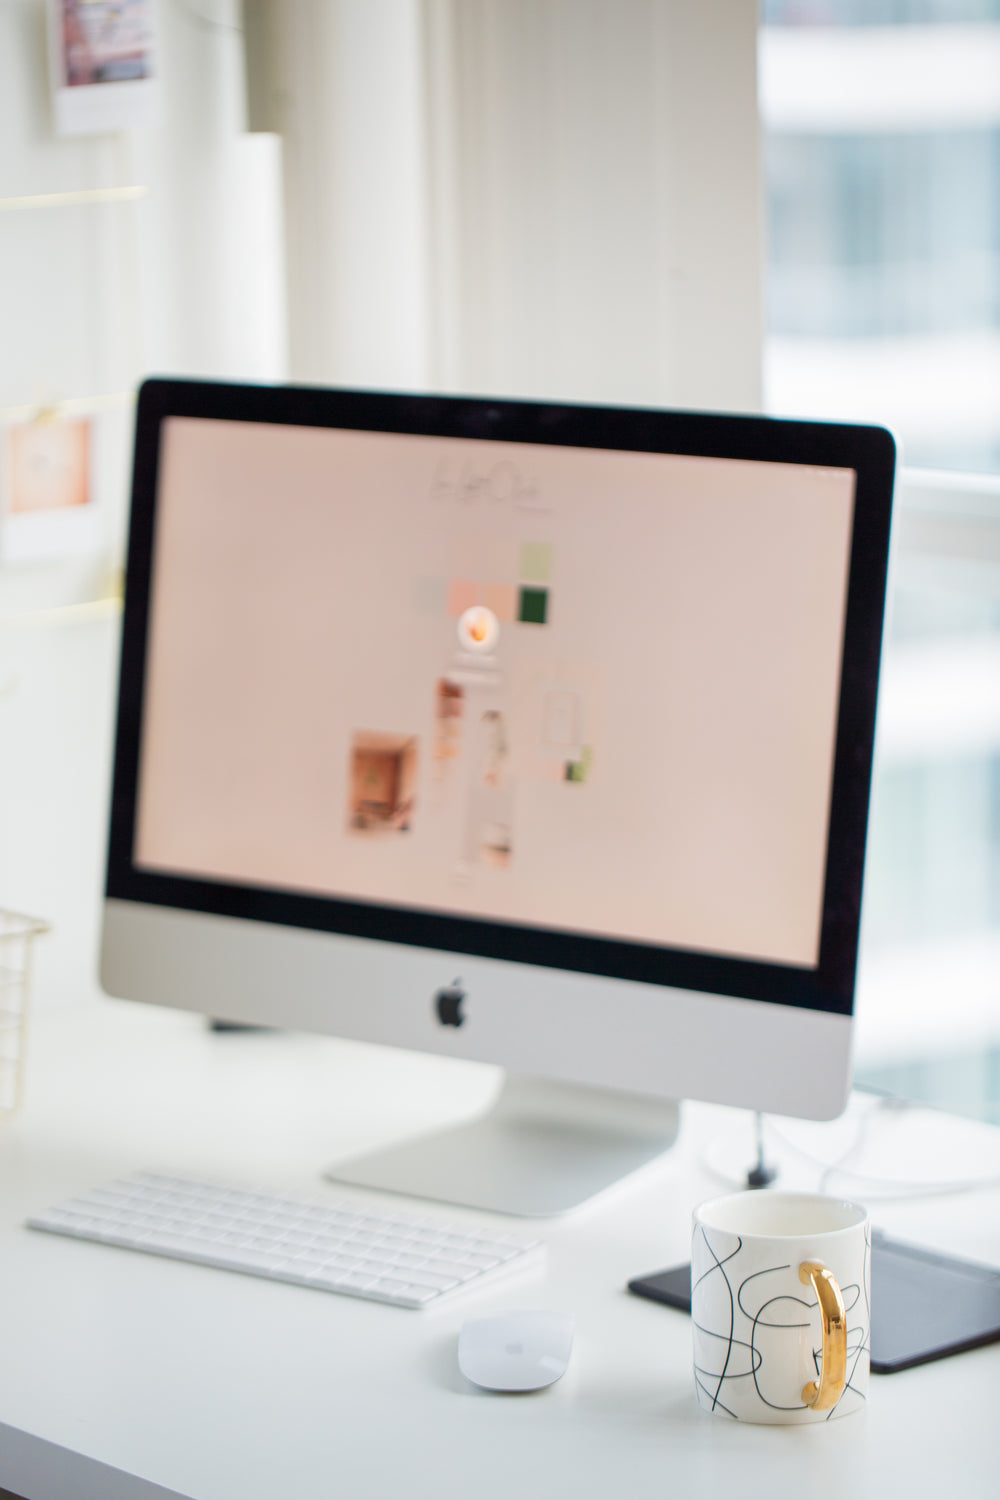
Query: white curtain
553	198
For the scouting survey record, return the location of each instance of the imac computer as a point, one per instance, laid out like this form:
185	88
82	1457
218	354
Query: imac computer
528	733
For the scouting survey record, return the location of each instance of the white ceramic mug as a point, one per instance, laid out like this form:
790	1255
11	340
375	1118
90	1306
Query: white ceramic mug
780	1305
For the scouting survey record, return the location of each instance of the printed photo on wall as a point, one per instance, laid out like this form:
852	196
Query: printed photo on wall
47	492
103	64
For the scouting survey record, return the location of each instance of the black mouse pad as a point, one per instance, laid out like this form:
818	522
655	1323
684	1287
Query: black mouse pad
924	1305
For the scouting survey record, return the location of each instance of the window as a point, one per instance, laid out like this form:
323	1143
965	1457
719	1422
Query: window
882	169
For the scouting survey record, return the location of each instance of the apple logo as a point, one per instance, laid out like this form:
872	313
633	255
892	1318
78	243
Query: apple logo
448	1003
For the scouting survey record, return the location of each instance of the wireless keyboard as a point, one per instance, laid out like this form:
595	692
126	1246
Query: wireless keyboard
337	1247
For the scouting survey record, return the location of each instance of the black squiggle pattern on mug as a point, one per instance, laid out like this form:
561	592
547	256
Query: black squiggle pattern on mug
711	1381
720	1267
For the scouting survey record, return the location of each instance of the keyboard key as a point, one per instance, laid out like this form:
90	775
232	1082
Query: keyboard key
335	1247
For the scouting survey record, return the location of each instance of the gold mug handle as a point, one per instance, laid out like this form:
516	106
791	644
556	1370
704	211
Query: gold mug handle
828	1390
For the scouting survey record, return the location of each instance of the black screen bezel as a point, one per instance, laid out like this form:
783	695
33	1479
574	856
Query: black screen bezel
868	451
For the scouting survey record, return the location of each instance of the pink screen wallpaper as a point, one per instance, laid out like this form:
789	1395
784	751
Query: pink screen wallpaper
582	689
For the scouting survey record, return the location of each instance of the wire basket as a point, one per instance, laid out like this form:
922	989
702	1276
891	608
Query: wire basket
17	935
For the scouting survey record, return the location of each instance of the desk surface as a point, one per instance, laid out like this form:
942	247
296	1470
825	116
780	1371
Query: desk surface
123	1375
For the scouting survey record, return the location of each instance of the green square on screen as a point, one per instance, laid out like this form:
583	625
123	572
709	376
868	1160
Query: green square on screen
536	562
533	606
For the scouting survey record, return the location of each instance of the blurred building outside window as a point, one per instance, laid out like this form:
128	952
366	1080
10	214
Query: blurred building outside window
882	169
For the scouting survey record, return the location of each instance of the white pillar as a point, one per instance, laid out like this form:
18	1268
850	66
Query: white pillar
347	87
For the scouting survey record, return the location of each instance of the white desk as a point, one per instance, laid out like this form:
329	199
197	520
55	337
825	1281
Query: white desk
122	1375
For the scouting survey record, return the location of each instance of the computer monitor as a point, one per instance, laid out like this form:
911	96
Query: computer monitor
529	733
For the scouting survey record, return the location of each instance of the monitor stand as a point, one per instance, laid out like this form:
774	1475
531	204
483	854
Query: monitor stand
542	1148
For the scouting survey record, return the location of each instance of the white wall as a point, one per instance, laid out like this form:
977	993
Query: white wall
210	251
187	279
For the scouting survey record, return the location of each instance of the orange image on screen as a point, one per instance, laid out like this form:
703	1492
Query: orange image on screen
383	776
448	700
478	629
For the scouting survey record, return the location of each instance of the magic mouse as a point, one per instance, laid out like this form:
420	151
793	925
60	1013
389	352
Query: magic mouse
516	1351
